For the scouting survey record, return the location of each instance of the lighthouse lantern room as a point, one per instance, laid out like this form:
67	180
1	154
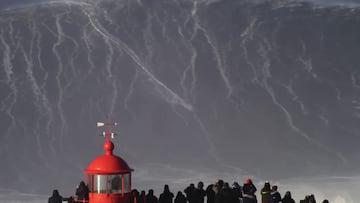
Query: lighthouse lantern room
108	176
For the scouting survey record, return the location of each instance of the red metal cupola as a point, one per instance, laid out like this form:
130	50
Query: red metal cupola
108	163
108	176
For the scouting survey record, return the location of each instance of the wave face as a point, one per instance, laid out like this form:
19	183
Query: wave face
270	89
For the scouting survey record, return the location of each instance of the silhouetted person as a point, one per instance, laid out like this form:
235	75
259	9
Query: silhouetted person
142	197
150	197
249	188
200	193
325	201
190	192
229	195
210	194
82	192
275	196
166	196
237	189
55	198
265	193
218	189
312	198
135	196
180	198
287	198
306	199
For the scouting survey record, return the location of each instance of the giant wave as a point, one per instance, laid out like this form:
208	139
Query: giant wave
268	89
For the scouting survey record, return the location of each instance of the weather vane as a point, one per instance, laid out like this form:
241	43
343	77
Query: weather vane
107	133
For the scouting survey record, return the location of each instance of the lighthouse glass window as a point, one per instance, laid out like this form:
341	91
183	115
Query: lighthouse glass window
114	184
98	183
127	182
119	183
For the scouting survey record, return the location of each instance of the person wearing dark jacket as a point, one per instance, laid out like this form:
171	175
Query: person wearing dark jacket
55	198
180	198
265	193
210	194
218	189
229	196
306	199
200	193
275	195
82	192
248	198
142	197
166	196
312	198
249	188
287	198
135	196
150	197
237	189
190	192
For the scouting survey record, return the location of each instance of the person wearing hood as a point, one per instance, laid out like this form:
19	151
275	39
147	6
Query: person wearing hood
265	193
180	198
150	197
249	188
287	198
167	196
55	198
82	192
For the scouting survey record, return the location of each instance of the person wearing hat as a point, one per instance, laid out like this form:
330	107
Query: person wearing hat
249	188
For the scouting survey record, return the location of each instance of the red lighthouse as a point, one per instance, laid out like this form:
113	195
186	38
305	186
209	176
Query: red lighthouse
108	176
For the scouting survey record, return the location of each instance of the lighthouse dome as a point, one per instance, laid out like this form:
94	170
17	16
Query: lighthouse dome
108	163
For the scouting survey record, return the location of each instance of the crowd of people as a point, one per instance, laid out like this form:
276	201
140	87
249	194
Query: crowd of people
82	195
219	192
